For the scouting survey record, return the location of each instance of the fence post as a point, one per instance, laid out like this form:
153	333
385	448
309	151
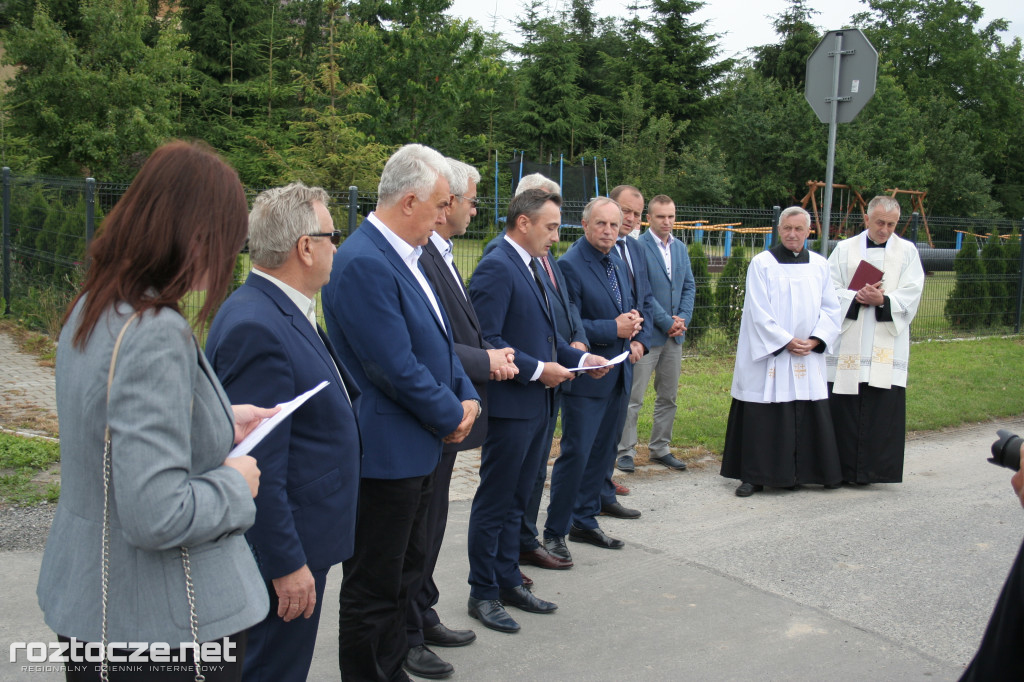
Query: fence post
90	212
1020	284
959	240
776	212
728	243
6	241
914	218
698	234
353	208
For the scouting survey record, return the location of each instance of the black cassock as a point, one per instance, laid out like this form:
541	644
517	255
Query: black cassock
870	430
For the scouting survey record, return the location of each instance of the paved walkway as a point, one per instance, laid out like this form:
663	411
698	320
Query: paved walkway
888	582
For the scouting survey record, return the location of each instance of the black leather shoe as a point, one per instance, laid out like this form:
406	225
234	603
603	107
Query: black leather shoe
541	558
833	486
748	489
594	536
556	548
439	635
522	598
670	461
492	614
422	662
618	511
625	463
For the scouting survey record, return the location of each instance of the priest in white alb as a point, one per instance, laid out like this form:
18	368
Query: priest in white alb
867	373
780	430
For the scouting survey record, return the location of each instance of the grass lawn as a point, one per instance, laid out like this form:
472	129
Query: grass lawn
951	383
23	470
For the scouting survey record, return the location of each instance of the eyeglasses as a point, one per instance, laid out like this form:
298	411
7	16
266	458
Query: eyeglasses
472	202
335	236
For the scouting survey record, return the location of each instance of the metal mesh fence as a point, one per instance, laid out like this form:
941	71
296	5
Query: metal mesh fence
48	223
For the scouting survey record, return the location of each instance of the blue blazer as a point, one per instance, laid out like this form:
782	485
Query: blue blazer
567	315
512	312
265	351
401	355
588	286
469	340
671	297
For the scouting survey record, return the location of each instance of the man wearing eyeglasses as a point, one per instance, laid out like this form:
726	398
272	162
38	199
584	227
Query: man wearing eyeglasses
266	347
482	362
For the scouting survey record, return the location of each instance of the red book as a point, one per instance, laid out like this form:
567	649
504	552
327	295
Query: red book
866	274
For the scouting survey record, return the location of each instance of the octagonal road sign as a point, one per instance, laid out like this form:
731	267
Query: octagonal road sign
858	67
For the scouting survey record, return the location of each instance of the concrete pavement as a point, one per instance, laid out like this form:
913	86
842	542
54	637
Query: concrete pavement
887	582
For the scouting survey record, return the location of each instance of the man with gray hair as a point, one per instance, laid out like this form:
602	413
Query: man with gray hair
867	373
593	411
779	432
482	362
394	335
266	347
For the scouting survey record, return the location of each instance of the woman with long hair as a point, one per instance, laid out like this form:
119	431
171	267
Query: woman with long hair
147	546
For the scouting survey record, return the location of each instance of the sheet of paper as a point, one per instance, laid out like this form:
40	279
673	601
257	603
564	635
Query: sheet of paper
611	363
268	425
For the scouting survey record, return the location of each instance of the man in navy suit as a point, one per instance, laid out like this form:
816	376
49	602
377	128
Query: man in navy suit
392	333
512	304
570	328
593	411
266	348
668	270
482	363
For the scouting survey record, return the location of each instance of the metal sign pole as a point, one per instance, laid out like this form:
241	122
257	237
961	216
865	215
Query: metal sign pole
833	125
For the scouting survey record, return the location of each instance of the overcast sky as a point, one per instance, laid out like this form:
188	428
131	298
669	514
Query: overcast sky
742	23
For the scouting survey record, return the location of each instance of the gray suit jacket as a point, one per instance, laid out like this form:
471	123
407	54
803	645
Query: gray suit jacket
171	427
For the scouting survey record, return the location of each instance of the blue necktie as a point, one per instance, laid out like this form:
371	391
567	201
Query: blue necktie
613	280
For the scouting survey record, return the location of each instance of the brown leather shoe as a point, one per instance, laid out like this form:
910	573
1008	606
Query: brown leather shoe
541	558
527	581
619	488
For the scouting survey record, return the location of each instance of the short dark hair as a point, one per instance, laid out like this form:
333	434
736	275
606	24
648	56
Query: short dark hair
619	189
183	218
659	199
529	203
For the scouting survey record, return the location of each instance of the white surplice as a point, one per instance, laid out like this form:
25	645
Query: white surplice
783	301
881	343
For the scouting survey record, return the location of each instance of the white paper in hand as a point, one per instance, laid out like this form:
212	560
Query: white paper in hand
611	363
268	425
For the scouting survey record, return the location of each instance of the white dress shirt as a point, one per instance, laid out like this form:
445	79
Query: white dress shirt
410	255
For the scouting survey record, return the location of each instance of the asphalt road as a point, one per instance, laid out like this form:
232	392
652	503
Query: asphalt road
887	582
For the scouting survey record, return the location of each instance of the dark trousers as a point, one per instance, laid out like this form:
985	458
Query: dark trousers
591	427
508	469
390	551
424	596
528	532
282	652
162	672
1000	657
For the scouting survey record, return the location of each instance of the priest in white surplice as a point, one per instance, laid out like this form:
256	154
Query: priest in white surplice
867	373
780	430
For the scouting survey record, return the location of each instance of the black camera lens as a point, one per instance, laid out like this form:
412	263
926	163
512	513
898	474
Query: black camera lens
1006	450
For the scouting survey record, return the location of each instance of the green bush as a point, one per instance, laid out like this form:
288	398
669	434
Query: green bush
995	287
966	305
730	290
704	300
1011	258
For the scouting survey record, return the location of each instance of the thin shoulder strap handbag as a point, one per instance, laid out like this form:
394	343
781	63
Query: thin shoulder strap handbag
189	590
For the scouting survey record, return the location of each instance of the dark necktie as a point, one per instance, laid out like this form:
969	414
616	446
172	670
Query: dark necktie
540	283
613	280
622	252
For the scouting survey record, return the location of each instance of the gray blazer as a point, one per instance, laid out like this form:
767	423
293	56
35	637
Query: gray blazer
171	427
